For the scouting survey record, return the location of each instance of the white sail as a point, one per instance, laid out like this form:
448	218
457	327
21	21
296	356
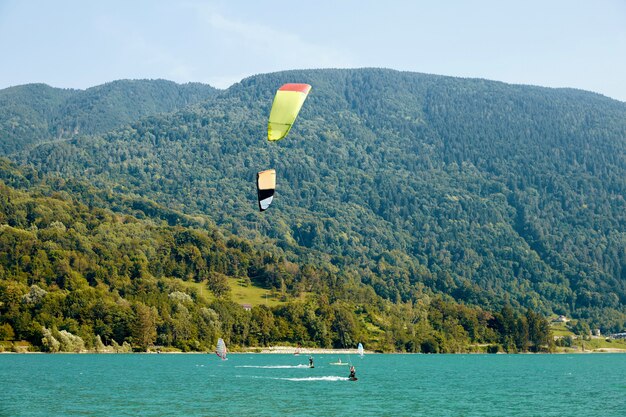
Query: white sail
360	349
221	349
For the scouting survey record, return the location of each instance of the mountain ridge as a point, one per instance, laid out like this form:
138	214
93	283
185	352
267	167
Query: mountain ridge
33	113
478	189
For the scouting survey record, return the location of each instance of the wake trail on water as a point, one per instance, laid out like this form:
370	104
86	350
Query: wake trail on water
317	378
272	366
331	378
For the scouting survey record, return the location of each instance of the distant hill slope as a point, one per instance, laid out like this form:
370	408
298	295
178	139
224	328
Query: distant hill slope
35	113
477	189
25	114
75	276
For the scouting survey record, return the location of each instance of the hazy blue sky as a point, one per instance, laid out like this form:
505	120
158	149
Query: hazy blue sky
556	43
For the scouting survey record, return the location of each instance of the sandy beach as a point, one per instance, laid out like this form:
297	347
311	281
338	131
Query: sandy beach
302	351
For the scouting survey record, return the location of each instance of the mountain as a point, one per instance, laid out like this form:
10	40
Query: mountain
34	113
491	193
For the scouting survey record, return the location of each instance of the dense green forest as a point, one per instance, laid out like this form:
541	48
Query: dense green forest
35	113
76	277
494	195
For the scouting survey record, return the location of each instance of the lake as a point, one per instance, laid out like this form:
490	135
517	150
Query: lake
282	385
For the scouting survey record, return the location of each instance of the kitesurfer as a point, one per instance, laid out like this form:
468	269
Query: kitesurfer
352	373
310	361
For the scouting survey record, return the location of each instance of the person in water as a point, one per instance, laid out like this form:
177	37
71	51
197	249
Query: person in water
310	361
352	373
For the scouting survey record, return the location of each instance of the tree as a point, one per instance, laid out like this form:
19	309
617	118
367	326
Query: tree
538	330
262	324
582	329
218	283
144	326
49	342
6	332
345	327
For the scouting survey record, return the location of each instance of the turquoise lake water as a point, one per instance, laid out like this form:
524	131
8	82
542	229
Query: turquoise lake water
282	385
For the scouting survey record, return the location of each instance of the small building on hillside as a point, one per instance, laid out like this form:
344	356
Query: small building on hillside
247	307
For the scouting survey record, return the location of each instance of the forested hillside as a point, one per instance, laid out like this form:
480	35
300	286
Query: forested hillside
488	192
36	112
74	276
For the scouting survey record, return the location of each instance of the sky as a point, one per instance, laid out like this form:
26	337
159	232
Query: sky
79	44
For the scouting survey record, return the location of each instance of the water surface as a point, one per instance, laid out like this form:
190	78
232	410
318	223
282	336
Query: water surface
282	385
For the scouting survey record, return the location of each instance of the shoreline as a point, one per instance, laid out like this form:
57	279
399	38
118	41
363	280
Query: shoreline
290	350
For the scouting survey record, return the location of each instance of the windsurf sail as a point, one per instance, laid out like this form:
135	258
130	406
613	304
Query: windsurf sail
221	349
360	349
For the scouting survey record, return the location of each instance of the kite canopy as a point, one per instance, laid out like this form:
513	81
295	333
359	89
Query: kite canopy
287	104
266	184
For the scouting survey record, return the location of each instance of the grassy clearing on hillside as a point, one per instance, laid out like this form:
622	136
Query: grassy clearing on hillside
561	330
601	343
239	293
251	295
